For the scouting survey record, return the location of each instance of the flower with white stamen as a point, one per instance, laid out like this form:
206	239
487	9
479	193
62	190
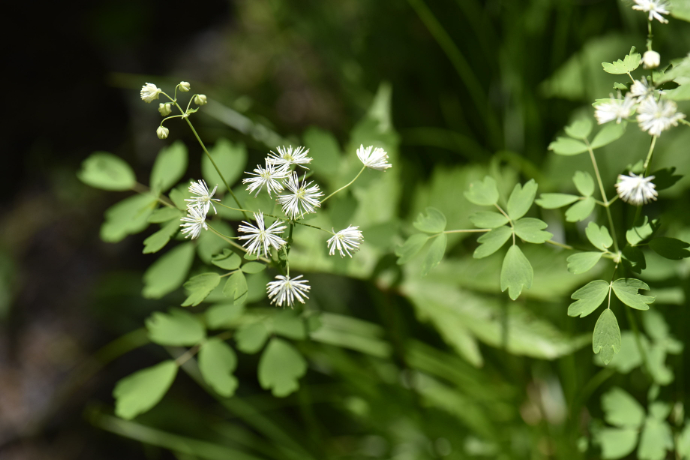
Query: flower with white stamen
655	117
374	158
616	109
204	198
268	176
655	8
641	89
261	239
285	290
303	197
635	189
345	241
286	157
149	92
195	221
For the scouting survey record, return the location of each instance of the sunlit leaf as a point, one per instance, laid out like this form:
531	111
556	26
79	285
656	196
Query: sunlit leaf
139	392
127	217
492	241
432	222
607	336
588	297
107	171
621	409
616	442
579	129
236	288
584	183
230	159
598	236
532	230
556	200
199	287
656	439
170	166
483	193
625	65
516	272
521	199
158	240
217	361
227	260
583	261
626	291
176	328
165	214
641	231
251	337
168	272
288	324
280	368
435	254
609	133
580	210
567	146
488	219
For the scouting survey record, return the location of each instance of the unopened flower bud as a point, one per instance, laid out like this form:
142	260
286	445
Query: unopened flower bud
651	59
162	132
184	86
149	92
200	99
165	109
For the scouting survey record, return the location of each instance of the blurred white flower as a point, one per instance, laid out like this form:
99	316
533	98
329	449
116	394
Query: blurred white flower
285	290
655	117
303	197
268	176
616	109
655	8
204	198
149	92
162	132
345	241
651	59
286	156
635	189
165	109
641	89
195	221
261	239
374	158
184	86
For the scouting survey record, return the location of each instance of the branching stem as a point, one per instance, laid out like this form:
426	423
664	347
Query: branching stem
603	195
345	186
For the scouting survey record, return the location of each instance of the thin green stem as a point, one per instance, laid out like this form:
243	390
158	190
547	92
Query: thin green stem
232	243
560	245
477	230
603	195
345	186
648	161
144	190
276	217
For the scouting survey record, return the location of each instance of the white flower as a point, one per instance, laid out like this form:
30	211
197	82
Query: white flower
345	240
655	8
286	290
616	109
267	176
184	86
195	221
162	132
286	157
655	117
651	59
641	89
165	109
302	195
259	239
374	158
200	99
636	190
205	199
149	92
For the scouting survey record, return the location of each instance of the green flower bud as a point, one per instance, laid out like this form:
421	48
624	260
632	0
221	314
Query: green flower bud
184	86
162	132
200	99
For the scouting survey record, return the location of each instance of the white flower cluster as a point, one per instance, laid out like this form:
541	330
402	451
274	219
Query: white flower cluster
635	189
654	8
197	208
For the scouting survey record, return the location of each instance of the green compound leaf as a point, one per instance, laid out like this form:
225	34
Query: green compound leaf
626	291
253	267
598	236
567	146
411	247
230	159
127	217
634	258
170	166
516	272
227	260
176	328
521	199
555	200
280	368
588	297
625	65
288	324
583	262
168	272
579	129
223	314
488	219
107	171
433	222
616	442
642	231
209	244
580	210
484	193
251	337
670	248
607	336
139	392
621	409
609	133
655	441
179	194
199	287
236	288
532	230
492	242
217	361
165	214
158	240
435	254
584	183
324	149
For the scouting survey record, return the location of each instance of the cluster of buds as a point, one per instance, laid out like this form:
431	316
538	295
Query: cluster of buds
150	92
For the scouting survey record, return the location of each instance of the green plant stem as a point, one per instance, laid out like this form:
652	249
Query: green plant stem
345	186
276	217
232	243
648	161
603	196
477	230
560	245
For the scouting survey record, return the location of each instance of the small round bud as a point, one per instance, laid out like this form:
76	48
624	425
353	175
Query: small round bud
200	99
165	109
651	59
162	132
184	86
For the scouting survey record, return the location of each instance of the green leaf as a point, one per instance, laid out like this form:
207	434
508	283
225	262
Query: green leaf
626	65
555	200
288	324
230	159
227	260
139	392
607	336
634	258
106	171
168	272
221	315
217	361
170	166
616	442
683	444
199	287
158	240
179	194
621	409
324	149
642	230
433	222
236	288
567	146
176	328
579	129
532	230
488	219
521	199
659	410
626	291
655	325
583	262
670	248
209	244
588	297
435	254
516	272
251	337
492	241
165	214
280	368
411	247
581	210
609	133
253	267
620	86
598	236
484	193
655	441
584	183
127	217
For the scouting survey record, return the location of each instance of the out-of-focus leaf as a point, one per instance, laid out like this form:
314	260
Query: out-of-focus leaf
588	297
168	272
280	368
580	210
488	219
433	222
210	244
621	409
584	183
607	336
483	193
217	361
609	133
253	267
170	166
625	65
598	236
236	288
556	200
516	272
655	441
492	241
158	240
670	248
435	254
139	392
199	287
230	159
583	262
227	260
251	337
127	217
579	129
107	171
165	214
324	149
521	199
616	442
176	328
411	247
532	230
222	314
288	324
567	146
641	231
626	291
